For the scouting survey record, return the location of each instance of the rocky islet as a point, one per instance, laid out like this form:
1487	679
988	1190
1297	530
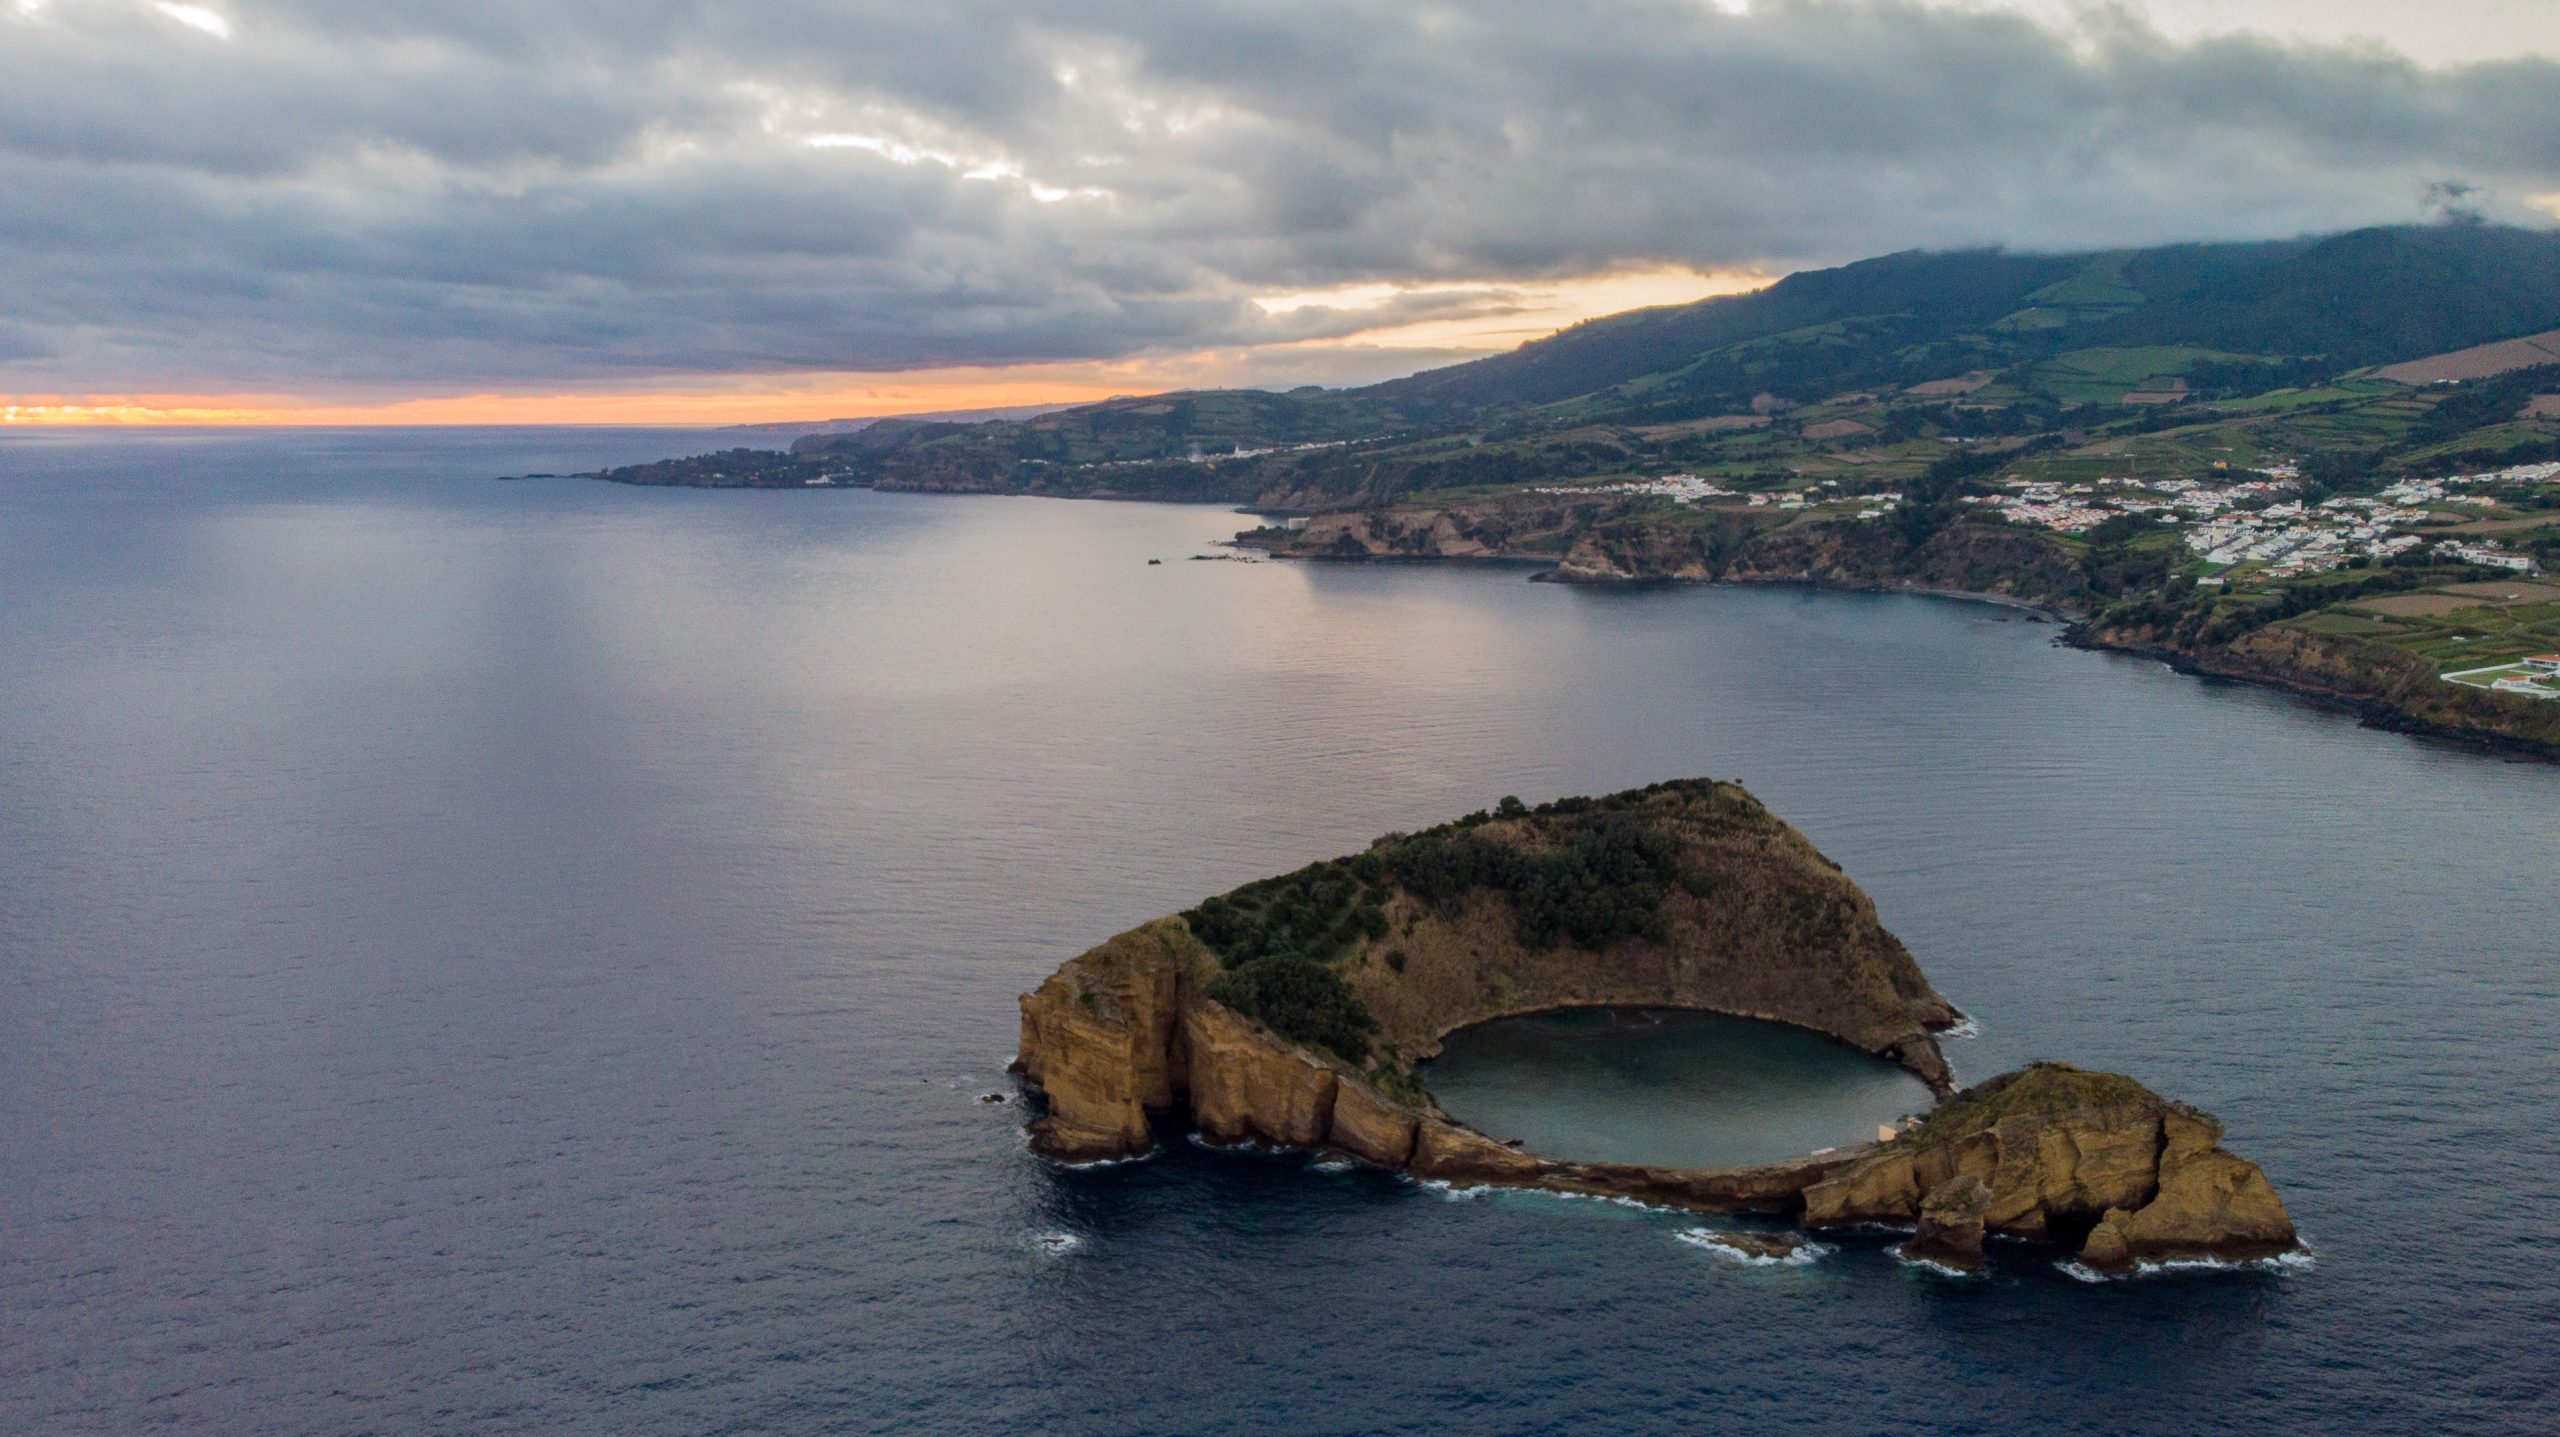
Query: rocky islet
1748	918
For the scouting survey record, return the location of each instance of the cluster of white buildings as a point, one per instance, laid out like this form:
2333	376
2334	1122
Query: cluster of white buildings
2078	508
1679	488
1243	453
1870	506
2297	543
2191	499
2445	490
2059	507
2493	556
2257	519
1698	489
1203	456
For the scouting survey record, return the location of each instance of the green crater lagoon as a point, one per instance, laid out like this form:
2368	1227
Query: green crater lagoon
1669	1088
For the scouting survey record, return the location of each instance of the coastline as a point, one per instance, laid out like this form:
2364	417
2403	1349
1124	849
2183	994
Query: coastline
2369	709
2040	609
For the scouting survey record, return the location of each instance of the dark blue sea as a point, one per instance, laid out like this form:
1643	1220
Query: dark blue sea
527	958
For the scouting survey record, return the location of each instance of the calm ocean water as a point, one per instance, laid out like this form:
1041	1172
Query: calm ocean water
526	958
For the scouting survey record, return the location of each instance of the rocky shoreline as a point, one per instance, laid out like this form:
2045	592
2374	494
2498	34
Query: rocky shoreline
2492	727
1756	923
2370	709
1596	541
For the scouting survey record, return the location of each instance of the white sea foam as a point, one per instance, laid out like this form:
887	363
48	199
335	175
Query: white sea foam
1086	1167
1335	1165
2283	1264
1925	1265
1612	1199
1448	1189
1964	1028
1091	1164
1056	1244
1242	1145
1708	1239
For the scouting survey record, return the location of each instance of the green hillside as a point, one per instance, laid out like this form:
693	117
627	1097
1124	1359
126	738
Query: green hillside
1863	367
2014	345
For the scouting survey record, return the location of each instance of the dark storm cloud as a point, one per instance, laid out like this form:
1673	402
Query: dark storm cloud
343	194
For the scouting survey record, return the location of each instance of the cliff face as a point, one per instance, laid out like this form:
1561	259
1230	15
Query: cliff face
1155	1022
1689	548
1717	905
1535	527
1129	1030
1971	557
2054	1153
1772	930
1605	541
2392	687
1100	1064
2397	679
1247	1085
1100	1038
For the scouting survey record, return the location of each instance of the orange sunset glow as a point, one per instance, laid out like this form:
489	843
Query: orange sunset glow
1496	317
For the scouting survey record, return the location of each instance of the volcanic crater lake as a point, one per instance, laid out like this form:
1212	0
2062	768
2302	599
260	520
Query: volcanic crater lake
529	958
1666	1087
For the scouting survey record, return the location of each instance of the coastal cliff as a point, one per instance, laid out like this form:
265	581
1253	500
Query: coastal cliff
1599	540
1294	1012
2388	687
1976	556
1539	527
1259	1005
2054	1153
1998	560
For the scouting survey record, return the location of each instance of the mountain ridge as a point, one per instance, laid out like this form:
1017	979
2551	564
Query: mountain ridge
2283	311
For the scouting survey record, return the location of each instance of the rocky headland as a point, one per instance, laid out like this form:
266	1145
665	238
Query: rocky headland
2387	687
1295	1011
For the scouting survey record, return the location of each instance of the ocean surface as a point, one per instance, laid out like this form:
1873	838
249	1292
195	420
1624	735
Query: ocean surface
1631	1085
527	958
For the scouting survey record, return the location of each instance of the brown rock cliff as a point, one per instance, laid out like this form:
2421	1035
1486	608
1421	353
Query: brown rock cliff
2063	1154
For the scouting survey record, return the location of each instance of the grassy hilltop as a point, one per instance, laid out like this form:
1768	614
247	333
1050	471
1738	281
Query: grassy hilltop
1908	347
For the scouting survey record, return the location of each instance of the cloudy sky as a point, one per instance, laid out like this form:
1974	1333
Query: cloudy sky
423	210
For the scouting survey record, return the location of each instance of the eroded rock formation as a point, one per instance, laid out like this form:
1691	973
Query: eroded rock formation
1701	900
1949	1230
2055	1153
1705	901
